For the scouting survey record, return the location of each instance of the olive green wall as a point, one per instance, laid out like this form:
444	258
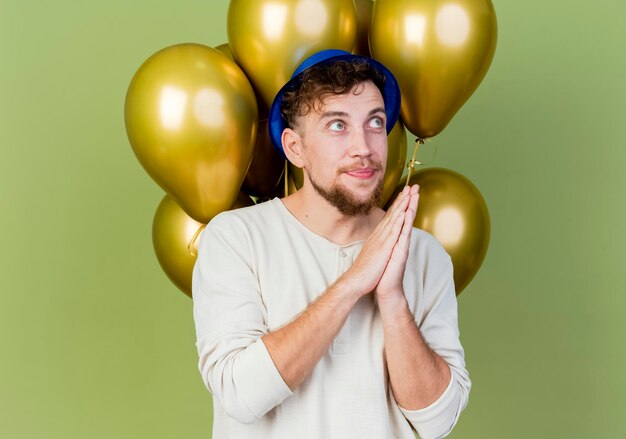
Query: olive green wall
97	343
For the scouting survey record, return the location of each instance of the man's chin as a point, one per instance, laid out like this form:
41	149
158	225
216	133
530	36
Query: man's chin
351	199
354	203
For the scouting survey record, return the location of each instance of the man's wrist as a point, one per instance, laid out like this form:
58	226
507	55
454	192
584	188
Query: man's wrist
346	291
393	306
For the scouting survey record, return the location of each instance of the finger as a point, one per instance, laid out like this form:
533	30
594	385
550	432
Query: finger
413	203
399	206
401	250
386	233
399	199
388	230
405	190
387	237
409	218
392	227
397	203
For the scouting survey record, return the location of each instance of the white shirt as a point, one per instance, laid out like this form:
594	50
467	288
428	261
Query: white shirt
257	269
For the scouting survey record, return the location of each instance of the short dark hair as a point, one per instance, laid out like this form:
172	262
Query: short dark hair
328	79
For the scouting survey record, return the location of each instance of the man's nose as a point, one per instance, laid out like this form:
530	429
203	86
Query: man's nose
359	144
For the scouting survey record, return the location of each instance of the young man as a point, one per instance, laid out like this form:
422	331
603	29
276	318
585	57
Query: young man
319	315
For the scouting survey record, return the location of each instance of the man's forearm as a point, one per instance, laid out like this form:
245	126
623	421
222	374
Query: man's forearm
418	376
298	346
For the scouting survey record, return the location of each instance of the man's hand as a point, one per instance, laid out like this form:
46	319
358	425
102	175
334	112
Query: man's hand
367	271
390	285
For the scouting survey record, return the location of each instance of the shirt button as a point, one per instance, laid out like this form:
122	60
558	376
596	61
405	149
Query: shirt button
343	253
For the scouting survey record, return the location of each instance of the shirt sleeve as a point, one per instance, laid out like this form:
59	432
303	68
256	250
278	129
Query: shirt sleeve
230	319
439	327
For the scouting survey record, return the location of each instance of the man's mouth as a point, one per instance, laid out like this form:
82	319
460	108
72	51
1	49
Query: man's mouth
362	173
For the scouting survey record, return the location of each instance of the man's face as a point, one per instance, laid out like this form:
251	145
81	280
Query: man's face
345	149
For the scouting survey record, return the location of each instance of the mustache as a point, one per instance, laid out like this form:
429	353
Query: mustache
364	164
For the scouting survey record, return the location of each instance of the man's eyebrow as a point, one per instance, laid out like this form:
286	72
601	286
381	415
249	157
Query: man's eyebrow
377	110
344	114
333	114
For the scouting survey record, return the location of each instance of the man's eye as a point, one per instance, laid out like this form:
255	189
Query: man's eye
337	126
376	122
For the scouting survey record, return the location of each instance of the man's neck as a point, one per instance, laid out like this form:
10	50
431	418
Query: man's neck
319	216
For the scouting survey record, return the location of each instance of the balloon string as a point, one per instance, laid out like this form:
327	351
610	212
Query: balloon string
191	247
286	174
411	164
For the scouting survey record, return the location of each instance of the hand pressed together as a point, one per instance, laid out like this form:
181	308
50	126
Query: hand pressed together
380	265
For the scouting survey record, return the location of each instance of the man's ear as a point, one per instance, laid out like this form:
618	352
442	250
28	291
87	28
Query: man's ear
292	146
